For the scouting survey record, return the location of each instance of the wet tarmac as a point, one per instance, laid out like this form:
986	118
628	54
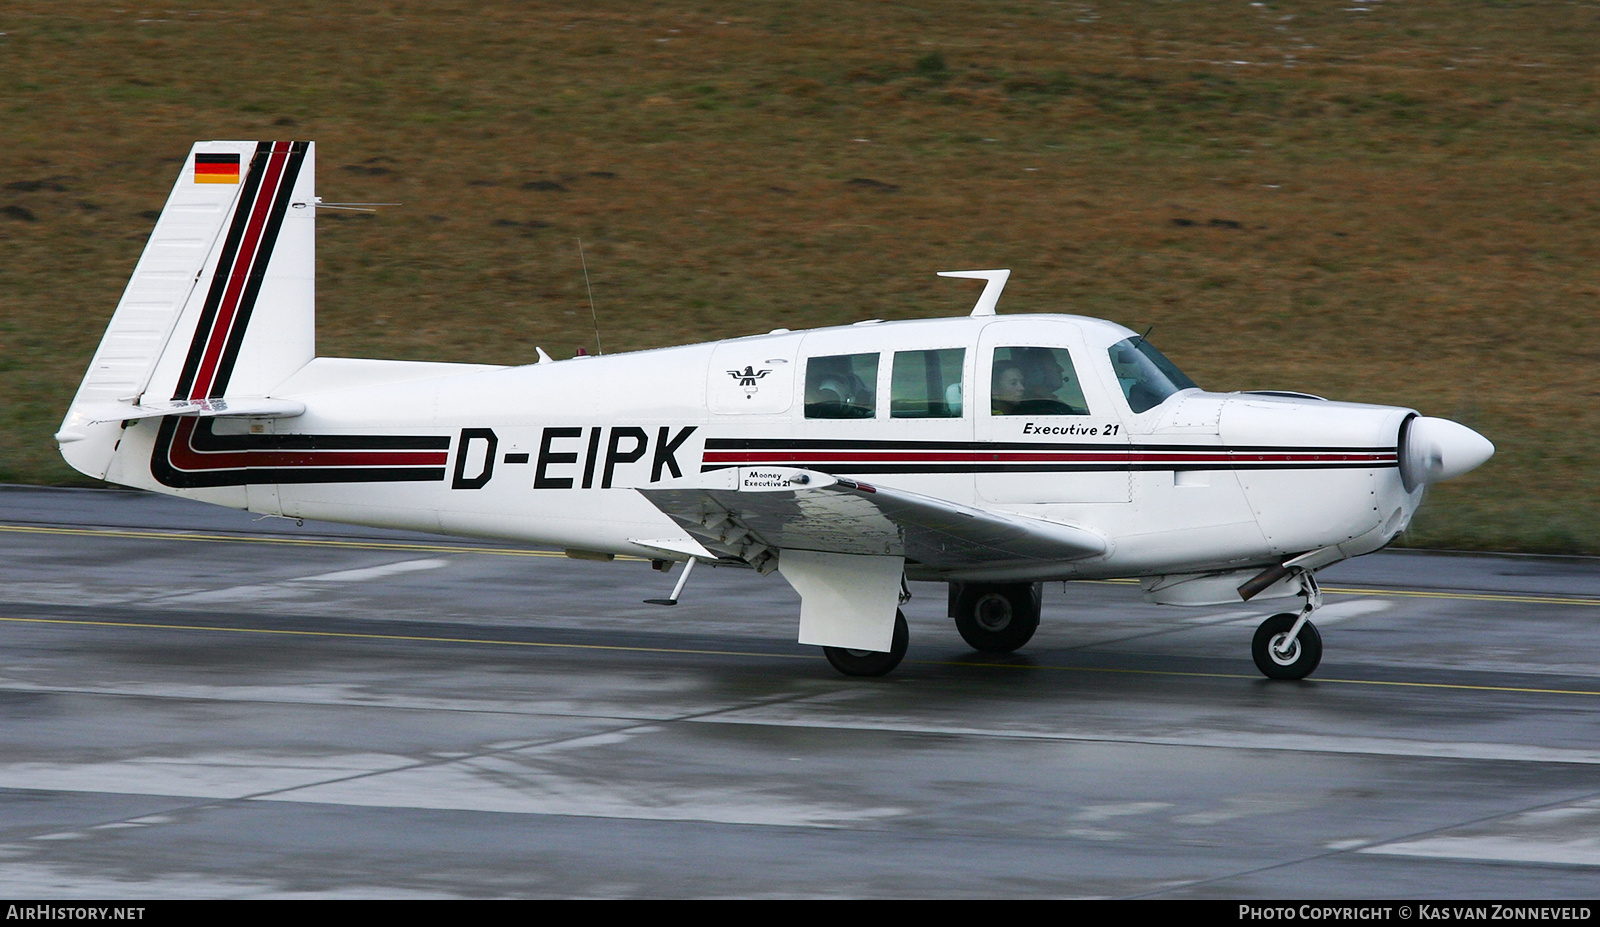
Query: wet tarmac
197	704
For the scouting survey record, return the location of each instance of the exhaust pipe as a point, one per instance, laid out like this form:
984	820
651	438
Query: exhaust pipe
1257	584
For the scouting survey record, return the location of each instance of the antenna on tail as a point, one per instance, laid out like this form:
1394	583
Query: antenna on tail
592	314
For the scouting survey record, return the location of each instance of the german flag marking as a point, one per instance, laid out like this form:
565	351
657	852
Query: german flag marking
216	168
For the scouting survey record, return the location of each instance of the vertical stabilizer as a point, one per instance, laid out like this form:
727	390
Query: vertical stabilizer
221	304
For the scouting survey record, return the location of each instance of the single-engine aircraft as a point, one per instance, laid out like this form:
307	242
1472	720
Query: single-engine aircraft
992	453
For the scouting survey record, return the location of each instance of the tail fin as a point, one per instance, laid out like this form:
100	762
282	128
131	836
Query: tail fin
221	305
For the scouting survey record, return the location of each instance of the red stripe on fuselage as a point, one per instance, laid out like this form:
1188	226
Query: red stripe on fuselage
183	456
771	458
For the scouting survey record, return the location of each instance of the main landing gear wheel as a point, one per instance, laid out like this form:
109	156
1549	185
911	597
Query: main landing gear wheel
1278	657
872	662
997	618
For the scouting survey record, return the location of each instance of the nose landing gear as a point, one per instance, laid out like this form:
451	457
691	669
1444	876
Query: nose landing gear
1288	646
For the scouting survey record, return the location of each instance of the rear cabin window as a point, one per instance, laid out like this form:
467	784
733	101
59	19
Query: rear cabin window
1035	381
927	384
842	386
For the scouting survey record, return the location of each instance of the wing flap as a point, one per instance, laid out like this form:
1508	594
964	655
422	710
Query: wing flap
753	512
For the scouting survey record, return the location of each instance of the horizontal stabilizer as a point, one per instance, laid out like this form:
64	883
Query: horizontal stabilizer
250	407
737	510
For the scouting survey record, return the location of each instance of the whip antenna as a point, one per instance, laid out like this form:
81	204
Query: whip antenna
594	316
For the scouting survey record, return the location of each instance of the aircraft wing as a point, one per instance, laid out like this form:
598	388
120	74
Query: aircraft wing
749	512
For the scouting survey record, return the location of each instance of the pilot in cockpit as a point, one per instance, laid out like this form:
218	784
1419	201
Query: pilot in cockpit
1041	373
1043	378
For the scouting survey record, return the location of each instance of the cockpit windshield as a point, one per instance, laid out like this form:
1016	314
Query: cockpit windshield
1146	376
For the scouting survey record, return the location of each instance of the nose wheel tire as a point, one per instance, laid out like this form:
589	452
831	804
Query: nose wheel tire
872	662
997	618
1278	657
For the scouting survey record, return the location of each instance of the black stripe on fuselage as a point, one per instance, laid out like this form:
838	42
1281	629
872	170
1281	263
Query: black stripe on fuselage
854	467
202	439
206	440
1217	457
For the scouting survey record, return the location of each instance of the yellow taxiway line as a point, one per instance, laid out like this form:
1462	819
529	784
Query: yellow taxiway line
419	547
1019	665
1426	594
412	546
1465	596
296	632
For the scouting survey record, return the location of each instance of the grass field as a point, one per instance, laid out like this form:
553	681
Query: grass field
1390	201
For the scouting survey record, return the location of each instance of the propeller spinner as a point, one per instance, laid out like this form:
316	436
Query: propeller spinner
1435	449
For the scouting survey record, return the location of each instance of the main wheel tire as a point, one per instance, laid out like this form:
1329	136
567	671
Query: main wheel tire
872	662
1298	660
997	618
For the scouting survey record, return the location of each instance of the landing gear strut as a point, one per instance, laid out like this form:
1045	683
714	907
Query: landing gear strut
996	618
872	662
1287	646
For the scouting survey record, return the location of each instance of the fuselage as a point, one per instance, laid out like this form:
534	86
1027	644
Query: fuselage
1186	482
990	452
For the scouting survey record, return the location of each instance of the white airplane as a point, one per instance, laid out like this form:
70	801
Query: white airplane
992	453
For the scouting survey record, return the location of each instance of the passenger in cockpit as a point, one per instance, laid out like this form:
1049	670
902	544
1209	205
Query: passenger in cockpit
1007	388
834	390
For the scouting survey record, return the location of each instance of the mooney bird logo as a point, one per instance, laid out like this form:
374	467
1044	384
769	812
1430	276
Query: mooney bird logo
747	378
749	375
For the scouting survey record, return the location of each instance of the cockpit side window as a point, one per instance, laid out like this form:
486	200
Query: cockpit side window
842	386
927	384
1035	381
1146	376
